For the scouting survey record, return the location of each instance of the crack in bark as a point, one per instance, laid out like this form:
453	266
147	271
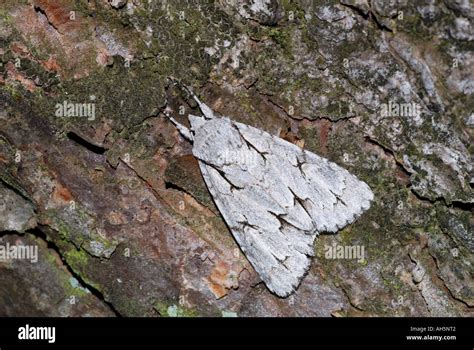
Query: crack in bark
351	303
38	9
301	118
390	152
368	16
268	99
14	186
145	182
51	245
446	288
173	186
420	292
8	233
440	280
453	204
79	140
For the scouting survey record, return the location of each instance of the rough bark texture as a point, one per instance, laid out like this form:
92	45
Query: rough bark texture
117	205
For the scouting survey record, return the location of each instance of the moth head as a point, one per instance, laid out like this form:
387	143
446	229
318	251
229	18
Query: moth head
196	121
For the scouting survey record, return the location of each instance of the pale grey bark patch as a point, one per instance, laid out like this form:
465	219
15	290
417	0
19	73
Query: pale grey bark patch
274	196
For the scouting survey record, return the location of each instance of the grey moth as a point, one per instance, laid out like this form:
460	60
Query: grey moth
274	196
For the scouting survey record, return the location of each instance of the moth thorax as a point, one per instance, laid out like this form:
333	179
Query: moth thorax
217	142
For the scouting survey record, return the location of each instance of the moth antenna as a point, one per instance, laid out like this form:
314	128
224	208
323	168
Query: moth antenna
208	113
181	128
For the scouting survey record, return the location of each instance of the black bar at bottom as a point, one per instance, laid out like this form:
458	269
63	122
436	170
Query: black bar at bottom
452	333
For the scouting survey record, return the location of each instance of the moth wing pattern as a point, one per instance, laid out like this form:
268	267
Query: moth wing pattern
331	194
275	197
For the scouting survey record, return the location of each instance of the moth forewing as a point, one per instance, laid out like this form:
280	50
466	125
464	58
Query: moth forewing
274	196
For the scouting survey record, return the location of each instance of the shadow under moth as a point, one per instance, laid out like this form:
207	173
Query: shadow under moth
274	196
